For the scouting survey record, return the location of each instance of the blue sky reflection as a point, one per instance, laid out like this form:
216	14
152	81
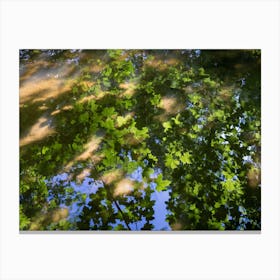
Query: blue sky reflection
79	194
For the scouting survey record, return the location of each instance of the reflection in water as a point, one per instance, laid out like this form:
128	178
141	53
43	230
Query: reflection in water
160	210
80	194
140	140
41	129
89	152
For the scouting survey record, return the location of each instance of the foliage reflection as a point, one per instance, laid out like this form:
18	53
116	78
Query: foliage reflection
140	140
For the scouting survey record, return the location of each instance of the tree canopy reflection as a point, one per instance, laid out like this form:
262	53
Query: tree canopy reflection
140	140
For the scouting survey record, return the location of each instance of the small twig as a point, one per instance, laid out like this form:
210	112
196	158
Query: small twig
117	205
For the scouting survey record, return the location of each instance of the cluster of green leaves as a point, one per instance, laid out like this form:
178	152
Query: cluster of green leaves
33	194
181	115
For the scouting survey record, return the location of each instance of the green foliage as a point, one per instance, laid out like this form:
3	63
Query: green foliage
159	110
114	53
201	72
167	125
83	118
33	195
44	150
171	162
209	82
161	184
24	221
186	158
176	121
121	121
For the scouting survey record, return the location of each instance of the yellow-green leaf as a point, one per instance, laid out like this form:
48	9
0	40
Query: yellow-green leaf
186	158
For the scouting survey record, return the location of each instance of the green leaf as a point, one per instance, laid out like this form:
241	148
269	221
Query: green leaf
219	114
84	117
75	147
155	100
217	205
171	162
195	98
202	73
258	123
111	158
24	188
84	196
196	128
209	82
187	79
174	84
178	154
24	222
193	206
196	189
176	120
93	106
106	83
148	172
57	146
152	157
167	126
75	90
109	124
114	53
107	71
161	184
229	185
44	150
186	158
108	112
122	120
131	166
